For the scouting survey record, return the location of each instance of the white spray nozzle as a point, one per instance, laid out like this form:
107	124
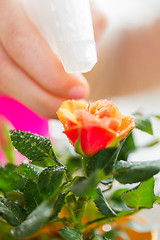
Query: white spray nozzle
67	27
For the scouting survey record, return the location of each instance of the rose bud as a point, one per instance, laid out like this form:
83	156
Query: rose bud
94	125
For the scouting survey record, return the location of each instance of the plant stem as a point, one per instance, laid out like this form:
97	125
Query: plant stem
65	221
82	208
68	185
66	177
107	189
99	220
108	219
72	215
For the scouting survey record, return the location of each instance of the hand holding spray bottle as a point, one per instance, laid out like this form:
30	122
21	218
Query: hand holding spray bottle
67	27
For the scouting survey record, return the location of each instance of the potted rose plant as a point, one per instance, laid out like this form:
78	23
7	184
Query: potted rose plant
72	196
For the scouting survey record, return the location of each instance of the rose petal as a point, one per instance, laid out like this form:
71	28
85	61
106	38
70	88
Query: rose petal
94	138
72	134
111	123
105	108
85	118
127	124
67	118
66	112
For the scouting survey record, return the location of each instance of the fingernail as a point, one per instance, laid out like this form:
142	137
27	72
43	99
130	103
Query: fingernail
77	92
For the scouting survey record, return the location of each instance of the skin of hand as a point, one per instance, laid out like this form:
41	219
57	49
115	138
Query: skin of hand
29	70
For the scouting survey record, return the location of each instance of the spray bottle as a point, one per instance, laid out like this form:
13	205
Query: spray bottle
67	27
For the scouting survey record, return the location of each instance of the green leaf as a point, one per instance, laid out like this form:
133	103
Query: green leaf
107	181
127	148
50	180
33	146
98	237
151	144
10	180
70	234
29	171
133	172
12	212
31	196
73	163
86	187
111	235
103	206
141	196
16	197
144	124
104	159
117	204
59	204
157	116
157	200
34	222
83	188
117	194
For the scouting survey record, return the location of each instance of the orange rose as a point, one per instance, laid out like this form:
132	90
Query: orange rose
95	125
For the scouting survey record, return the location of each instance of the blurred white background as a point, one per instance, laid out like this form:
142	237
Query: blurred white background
129	13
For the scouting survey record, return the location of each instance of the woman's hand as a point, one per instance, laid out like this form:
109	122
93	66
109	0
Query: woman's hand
29	70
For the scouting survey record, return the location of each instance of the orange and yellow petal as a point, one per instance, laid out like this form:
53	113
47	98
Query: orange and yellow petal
105	108
66	112
126	126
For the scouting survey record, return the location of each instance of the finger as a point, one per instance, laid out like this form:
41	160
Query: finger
15	83
31	52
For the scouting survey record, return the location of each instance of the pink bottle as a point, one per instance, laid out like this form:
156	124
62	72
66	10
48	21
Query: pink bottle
21	118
